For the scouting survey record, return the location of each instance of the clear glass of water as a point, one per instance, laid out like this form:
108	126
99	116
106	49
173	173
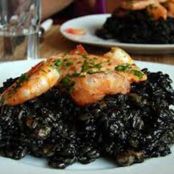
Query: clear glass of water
19	25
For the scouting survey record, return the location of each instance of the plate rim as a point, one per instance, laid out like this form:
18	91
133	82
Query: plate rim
125	45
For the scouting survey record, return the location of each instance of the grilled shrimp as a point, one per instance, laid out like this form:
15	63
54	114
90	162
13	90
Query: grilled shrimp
136	4
157	11
87	77
35	82
154	7
170	7
139	4
94	87
114	77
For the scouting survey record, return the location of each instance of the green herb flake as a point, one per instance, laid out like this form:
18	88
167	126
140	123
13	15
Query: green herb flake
128	68
98	66
66	81
85	66
123	67
137	73
90	66
58	63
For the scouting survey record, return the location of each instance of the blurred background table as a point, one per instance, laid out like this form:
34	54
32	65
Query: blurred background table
54	43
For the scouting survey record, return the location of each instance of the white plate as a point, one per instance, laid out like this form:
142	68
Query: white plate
31	165
93	22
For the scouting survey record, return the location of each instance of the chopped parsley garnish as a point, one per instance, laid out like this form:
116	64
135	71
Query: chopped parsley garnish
123	67
137	73
85	66
129	68
98	66
58	63
90	66
66	80
65	63
67	83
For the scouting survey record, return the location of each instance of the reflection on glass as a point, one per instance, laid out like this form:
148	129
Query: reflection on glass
19	22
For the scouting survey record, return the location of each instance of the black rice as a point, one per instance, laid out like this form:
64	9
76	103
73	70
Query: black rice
126	128
138	27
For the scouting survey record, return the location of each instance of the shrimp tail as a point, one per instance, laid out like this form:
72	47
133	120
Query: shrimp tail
79	50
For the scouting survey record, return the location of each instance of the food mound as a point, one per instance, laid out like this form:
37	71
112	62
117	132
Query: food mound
125	127
135	22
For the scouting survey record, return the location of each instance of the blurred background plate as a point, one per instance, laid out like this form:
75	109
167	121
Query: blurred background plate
91	23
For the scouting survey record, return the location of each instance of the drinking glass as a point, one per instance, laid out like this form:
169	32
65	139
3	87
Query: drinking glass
19	25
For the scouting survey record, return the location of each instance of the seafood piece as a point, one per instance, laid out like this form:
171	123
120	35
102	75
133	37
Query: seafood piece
119	56
170	7
87	77
35	82
139	4
114	77
136	4
94	87
157	11
154	7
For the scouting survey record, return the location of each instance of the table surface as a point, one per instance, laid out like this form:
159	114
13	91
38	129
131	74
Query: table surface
54	43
